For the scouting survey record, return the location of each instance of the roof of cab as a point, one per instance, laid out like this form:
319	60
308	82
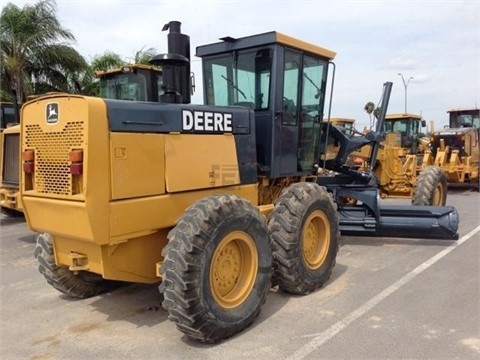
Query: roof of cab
404	115
229	44
126	69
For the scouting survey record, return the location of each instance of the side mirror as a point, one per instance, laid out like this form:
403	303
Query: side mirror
424	123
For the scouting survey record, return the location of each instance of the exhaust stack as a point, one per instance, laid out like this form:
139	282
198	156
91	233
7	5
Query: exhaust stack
175	66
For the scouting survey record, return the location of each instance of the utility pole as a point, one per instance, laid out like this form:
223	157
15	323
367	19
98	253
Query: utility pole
405	84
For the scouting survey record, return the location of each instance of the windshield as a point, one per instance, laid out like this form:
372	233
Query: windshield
348	128
241	78
468	121
404	126
124	86
8	116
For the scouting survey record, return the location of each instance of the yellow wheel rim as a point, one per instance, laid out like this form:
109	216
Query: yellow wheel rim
315	239
233	269
438	195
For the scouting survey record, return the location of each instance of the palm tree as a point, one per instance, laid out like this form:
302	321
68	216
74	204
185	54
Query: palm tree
35	53
106	61
369	108
143	56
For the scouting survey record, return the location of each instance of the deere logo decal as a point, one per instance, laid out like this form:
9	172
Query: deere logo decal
206	121
51	115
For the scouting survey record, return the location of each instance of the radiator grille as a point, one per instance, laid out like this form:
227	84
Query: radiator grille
11	159
52	166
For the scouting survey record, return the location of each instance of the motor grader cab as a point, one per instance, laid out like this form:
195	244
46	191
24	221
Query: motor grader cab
404	131
10	201
209	200
136	82
456	149
347	124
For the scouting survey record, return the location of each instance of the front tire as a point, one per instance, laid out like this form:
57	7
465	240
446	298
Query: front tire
304	230
431	187
217	268
81	285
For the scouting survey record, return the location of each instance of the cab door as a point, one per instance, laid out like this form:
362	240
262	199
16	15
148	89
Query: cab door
313	84
289	113
304	82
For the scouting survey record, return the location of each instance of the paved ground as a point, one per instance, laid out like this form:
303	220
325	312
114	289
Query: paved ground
388	298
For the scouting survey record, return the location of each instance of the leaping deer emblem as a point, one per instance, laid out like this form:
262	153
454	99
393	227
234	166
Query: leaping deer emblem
51	111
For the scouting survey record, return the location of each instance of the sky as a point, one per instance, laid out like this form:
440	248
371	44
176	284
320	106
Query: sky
435	42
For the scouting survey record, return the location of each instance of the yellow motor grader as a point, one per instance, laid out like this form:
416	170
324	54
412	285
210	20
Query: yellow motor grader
399	163
213	202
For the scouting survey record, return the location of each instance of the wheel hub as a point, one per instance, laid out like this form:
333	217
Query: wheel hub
437	196
315	239
233	269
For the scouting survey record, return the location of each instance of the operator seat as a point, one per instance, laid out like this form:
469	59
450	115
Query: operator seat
289	112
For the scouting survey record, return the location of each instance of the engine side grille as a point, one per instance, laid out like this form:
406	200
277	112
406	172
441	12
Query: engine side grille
11	159
52	166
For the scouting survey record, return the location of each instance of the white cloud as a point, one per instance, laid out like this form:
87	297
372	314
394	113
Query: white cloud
402	63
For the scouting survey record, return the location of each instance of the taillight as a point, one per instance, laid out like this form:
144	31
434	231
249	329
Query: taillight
76	162
28	157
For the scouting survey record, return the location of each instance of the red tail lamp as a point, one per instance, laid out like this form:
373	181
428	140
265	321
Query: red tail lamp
76	162
28	157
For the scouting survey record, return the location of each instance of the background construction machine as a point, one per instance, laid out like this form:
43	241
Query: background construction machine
10	201
135	82
8	114
399	163
347	126
346	123
208	199
406	131
456	149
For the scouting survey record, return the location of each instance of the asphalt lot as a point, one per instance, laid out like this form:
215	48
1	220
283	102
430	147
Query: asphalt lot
387	299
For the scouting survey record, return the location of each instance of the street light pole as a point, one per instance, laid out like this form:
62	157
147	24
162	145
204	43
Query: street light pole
405	84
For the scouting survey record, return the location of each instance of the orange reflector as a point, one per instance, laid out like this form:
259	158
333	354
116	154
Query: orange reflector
28	167
76	169
358	161
75	156
28	155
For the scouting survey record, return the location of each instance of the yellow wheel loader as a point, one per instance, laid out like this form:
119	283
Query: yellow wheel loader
456	149
214	202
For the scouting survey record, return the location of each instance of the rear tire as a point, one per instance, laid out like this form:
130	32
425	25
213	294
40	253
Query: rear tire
431	187
304	230
217	268
80	286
